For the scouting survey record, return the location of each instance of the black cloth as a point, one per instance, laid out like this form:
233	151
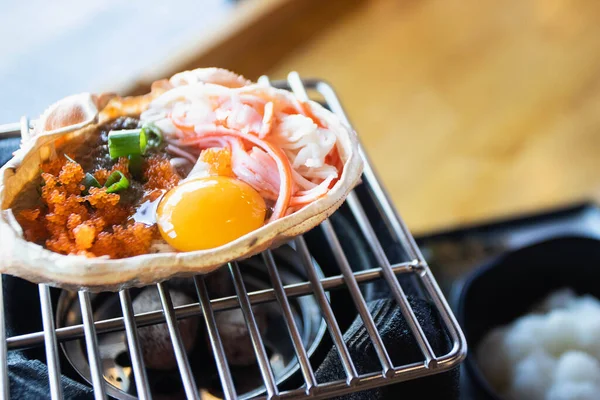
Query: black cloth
7	147
29	380
27	372
402	349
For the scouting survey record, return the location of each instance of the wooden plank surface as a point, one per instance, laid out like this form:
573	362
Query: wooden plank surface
258	35
470	109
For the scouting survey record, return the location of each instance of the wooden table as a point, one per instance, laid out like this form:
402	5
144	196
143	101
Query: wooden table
470	109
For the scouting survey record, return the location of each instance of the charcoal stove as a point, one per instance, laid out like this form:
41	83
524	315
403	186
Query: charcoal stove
362	251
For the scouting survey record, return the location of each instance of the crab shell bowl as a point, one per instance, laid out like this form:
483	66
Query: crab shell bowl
72	120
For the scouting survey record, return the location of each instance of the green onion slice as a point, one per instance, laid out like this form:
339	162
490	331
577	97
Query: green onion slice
89	181
135	165
153	134
116	182
69	158
126	142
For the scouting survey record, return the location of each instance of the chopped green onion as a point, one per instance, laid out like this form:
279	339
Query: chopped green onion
89	181
116	182
126	142
153	133
135	165
70	159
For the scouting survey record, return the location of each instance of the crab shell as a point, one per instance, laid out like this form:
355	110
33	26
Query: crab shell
85	112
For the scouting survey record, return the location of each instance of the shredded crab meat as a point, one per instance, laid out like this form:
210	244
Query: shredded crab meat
305	144
174	150
218	76
275	143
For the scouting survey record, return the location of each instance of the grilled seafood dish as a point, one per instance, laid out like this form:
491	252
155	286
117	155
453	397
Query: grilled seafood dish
110	192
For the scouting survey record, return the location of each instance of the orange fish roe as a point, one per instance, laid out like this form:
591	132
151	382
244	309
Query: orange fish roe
73	222
92	225
61	244
219	161
99	223
122	165
154	195
110	216
131	240
60	206
98	198
70	177
102	175
33	229
53	166
84	235
30	215
160	174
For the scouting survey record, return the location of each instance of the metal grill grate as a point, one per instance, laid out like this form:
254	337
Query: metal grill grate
316	286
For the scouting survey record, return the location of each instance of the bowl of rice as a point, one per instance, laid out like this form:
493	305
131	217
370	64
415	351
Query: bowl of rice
532	321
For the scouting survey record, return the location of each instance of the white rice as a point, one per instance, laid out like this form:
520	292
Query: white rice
552	353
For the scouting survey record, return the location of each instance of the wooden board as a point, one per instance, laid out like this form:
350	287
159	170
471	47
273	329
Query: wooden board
470	109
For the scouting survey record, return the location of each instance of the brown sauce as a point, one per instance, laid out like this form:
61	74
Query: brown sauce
69	219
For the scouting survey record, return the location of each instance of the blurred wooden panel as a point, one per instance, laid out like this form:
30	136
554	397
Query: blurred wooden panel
470	109
258	35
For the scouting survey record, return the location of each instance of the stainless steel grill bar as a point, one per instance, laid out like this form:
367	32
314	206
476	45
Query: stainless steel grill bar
359	301
14	129
215	340
10	130
307	371
4	384
459	349
402	235
316	286
189	383
332	325
298	88
393	220
50	342
367	381
91	341
226	303
391	280
259	348
24	128
133	343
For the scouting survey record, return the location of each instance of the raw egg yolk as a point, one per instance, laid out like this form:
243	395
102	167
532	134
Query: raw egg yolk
208	212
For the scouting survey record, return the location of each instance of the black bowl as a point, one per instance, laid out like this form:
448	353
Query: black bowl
508	287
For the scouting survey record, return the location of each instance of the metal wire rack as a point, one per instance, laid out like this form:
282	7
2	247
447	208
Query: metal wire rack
316	286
